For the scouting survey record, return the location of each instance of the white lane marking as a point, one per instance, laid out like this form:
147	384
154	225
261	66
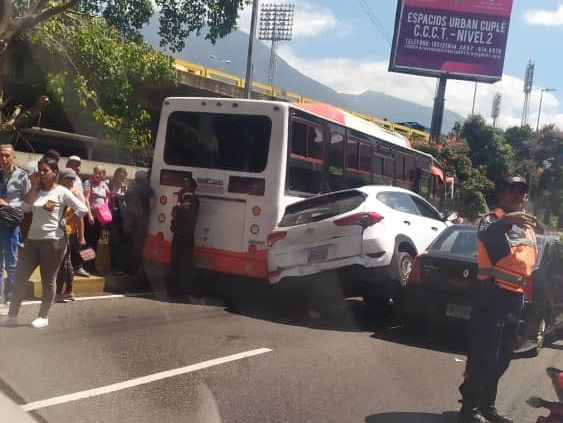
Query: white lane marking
141	380
97	297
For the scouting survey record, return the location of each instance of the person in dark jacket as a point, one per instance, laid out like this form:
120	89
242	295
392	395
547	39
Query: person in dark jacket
184	219
506	254
137	204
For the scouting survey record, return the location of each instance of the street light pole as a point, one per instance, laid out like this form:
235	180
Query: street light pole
250	57
544	90
474	97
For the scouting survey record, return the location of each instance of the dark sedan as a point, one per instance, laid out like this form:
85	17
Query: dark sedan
440	281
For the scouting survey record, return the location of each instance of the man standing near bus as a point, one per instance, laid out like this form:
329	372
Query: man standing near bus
14	185
184	219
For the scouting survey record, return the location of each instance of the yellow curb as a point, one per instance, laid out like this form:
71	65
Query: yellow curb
81	285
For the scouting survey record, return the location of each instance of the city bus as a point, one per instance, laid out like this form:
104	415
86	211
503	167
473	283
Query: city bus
252	158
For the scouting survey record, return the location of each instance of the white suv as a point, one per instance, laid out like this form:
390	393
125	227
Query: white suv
370	235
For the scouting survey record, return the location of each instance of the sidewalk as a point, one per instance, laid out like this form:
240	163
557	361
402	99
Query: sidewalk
106	282
91	285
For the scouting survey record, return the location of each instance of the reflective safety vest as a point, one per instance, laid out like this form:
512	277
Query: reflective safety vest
511	271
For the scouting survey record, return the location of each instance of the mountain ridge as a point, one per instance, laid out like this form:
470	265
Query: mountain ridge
229	55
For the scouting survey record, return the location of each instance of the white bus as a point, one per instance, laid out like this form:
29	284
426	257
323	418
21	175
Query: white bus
251	158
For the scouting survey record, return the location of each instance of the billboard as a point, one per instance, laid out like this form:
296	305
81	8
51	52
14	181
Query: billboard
460	39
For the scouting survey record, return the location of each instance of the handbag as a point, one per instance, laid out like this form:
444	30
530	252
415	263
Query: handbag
103	214
10	217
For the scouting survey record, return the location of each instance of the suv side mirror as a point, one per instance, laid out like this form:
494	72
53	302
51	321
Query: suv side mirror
451	216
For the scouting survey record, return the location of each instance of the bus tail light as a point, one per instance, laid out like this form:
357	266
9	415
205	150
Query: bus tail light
415	276
275	237
160	236
363	219
244	185
252	249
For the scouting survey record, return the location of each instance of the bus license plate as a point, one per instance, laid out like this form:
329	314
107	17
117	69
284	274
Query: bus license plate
317	254
458	311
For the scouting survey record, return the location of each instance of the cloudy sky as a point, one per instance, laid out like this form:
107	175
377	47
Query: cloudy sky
346	45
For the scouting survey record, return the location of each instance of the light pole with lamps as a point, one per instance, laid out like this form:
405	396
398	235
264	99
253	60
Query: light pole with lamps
544	90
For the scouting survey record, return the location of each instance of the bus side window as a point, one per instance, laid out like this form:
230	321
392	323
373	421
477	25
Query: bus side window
315	143
365	157
299	139
336	179
352	155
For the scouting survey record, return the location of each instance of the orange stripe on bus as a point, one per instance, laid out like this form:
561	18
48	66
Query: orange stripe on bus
245	264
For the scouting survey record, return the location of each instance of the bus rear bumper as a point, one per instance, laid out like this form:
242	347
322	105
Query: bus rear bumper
253	265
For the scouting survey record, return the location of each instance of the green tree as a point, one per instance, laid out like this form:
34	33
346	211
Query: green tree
177	19
519	138
95	72
546	156
95	62
470	183
487	147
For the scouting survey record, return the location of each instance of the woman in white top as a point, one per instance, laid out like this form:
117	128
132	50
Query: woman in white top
46	240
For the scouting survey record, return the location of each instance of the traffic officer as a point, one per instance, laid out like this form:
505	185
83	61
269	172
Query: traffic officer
506	253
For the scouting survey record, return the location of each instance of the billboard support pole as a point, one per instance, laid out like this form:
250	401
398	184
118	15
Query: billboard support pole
438	111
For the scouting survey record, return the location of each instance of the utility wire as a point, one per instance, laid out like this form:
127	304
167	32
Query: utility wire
377	23
374	19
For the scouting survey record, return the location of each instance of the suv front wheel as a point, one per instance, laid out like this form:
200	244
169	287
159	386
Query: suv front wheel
404	264
381	295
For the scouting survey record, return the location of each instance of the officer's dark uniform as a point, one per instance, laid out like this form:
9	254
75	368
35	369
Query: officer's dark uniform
184	219
506	254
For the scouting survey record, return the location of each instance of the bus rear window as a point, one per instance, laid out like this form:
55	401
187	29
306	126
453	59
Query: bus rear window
218	141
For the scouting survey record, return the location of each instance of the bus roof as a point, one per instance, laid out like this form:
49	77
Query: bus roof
353	122
324	111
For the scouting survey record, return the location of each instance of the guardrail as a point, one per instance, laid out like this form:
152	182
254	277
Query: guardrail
217	75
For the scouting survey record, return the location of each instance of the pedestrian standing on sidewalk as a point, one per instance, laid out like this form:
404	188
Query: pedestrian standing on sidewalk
96	193
75	234
45	245
14	185
74	163
139	201
119	240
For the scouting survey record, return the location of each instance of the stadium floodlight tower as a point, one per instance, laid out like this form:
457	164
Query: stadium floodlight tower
528	83
276	24
495	112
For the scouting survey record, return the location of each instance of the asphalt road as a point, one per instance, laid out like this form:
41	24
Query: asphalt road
316	361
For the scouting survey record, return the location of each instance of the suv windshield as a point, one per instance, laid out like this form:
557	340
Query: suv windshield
322	207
